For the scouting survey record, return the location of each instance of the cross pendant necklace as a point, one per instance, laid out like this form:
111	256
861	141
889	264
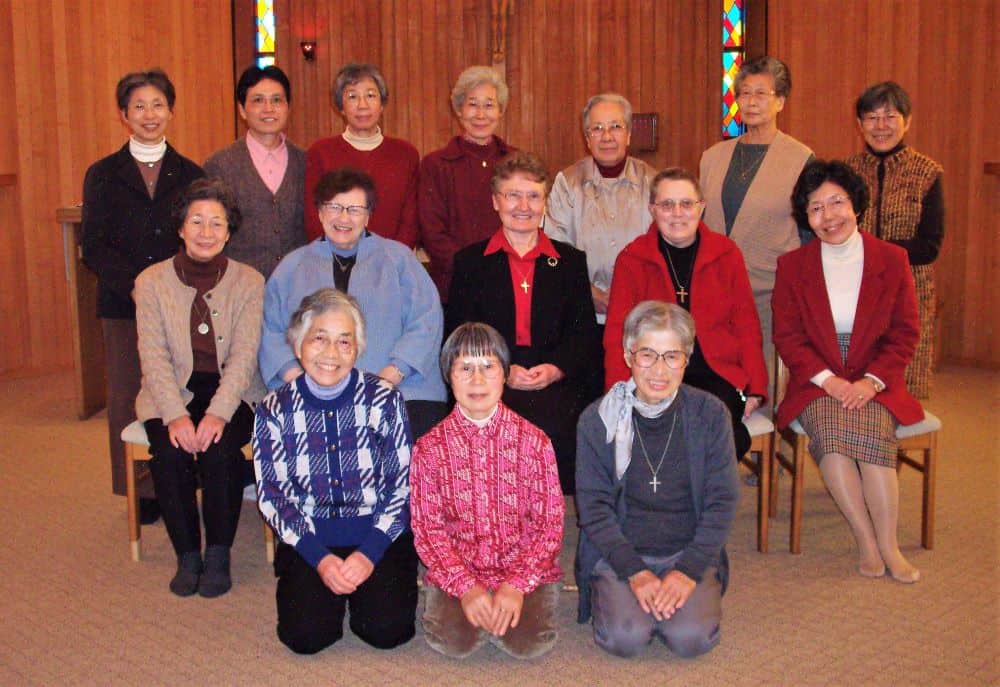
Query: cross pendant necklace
524	284
682	292
655	482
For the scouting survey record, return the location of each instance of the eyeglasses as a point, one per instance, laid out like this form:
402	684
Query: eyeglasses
515	197
833	203
464	371
686	205
321	340
755	95
261	100
647	357
613	128
887	118
487	105
336	208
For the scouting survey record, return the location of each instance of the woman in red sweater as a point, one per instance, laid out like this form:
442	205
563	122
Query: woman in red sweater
679	260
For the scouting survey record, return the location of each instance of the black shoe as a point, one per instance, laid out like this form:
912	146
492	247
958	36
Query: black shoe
149	511
215	581
189	570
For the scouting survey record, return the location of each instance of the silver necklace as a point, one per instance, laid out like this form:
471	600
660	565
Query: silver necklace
655	482
202	327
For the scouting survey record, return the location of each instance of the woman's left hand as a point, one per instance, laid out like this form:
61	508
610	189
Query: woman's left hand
675	588
752	404
859	393
357	568
209	431
390	373
533	378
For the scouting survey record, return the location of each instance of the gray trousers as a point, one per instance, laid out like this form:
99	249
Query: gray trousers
623	629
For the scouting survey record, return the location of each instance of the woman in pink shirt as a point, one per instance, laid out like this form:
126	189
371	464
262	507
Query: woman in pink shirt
487	511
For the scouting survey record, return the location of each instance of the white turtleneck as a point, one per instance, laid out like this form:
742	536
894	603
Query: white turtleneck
364	143
842	267
144	152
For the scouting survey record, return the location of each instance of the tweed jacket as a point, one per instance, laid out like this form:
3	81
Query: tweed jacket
163	321
883	338
124	230
272	222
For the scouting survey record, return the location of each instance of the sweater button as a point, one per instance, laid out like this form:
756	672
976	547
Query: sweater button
219	338
215	313
333	447
335	482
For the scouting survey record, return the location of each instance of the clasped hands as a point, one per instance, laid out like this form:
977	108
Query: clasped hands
496	612
661	597
344	575
533	378
184	435
852	395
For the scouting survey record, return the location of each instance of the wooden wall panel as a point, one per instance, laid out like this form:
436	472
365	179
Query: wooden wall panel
944	53
67	58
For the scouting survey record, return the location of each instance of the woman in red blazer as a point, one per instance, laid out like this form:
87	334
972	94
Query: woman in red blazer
846	325
679	260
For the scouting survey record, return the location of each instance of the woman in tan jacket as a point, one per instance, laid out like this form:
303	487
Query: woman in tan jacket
198	317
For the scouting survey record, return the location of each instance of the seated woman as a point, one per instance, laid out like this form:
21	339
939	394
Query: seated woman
491	553
397	298
650	563
536	293
680	261
332	455
198	318
846	325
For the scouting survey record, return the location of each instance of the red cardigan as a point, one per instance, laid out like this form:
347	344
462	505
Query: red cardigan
393	165
885	334
722	305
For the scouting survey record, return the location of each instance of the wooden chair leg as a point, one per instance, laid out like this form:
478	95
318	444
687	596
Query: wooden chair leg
765	466
132	504
930	481
772	508
795	534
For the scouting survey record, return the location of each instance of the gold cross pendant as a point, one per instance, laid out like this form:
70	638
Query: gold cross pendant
681	295
524	285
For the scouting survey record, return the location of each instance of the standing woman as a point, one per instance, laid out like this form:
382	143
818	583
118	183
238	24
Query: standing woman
127	200
846	324
453	198
748	181
198	316
359	94
907	205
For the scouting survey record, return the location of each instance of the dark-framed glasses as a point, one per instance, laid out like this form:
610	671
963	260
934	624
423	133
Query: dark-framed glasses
647	357
336	208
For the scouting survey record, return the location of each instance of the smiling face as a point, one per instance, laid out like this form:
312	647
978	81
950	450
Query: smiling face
330	348
831	213
477	383
678	226
759	106
147	114
520	202
342	228
362	107
266	108
480	113
659	382
205	230
883	128
610	146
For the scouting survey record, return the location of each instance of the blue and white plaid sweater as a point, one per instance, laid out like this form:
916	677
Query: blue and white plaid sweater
335	472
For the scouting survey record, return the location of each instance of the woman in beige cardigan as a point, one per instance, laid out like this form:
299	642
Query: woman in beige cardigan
748	181
198	316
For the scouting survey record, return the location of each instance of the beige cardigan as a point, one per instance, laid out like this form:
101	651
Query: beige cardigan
163	320
764	228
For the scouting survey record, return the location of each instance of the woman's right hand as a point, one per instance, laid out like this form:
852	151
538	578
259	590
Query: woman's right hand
329	570
837	387
644	586
477	605
183	434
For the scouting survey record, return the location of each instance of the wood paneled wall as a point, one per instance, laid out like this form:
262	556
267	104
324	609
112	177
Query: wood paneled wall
944	53
61	117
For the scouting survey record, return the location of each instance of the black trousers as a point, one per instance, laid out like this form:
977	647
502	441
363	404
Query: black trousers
707	380
383	608
219	470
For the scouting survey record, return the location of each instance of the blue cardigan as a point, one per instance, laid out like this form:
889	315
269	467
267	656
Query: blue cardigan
403	318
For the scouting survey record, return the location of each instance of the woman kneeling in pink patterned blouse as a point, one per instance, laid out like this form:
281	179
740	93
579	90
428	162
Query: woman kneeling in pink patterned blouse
487	511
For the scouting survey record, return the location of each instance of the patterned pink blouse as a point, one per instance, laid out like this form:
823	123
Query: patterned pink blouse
487	506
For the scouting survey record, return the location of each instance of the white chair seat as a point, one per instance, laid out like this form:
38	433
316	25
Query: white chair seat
930	423
135	433
758	424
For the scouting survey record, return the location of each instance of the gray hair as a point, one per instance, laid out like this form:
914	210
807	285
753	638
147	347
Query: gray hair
608	98
473	77
765	64
320	303
652	316
353	72
477	340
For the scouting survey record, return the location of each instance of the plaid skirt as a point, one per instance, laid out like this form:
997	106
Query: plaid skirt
867	434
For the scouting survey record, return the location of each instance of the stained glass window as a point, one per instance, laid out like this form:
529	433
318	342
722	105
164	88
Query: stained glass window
733	26
264	18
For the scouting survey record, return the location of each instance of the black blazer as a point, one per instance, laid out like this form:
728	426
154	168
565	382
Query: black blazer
563	326
124	230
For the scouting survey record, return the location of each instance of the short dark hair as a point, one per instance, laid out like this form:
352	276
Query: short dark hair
474	339
765	64
353	72
674	174
254	75
342	180
884	94
522	162
207	188
815	174
157	78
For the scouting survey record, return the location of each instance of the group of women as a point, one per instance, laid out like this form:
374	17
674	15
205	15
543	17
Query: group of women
360	464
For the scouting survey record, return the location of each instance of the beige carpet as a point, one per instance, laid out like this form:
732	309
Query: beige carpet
76	610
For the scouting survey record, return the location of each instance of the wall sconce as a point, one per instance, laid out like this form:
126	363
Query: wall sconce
308	50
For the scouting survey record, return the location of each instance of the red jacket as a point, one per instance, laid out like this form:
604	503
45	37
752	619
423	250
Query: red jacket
722	306
885	333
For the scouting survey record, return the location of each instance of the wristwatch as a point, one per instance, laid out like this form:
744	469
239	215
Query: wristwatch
879	386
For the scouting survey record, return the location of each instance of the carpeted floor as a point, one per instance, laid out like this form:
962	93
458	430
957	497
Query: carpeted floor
76	610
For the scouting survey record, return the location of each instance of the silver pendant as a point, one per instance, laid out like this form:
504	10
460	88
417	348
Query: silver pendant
203	328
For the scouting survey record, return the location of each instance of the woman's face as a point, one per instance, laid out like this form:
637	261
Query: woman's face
658	382
205	230
831	213
520	202
759	106
266	108
344	218
678	224
609	143
480	113
883	128
477	383
147	114
330	348
362	106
